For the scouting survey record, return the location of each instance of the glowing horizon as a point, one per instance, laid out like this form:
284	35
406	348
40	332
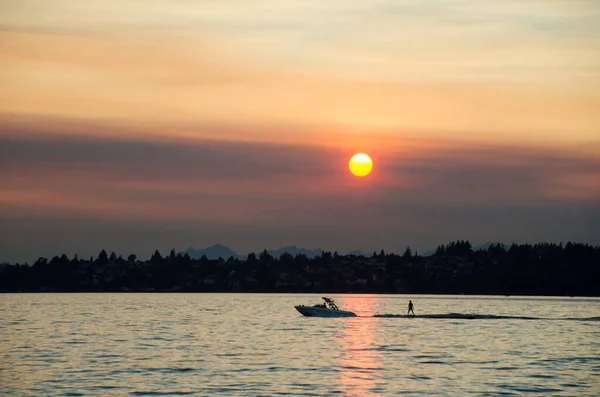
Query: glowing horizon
238	119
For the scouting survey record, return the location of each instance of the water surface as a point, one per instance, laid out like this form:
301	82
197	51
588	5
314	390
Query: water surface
257	344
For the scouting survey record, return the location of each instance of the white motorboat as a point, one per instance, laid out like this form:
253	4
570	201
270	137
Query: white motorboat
327	309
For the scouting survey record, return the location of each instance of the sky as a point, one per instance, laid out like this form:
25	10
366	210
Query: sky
137	125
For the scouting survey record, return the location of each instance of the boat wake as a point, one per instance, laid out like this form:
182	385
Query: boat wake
468	316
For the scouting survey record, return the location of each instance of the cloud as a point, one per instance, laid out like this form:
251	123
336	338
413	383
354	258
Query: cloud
272	194
473	174
197	160
224	118
150	77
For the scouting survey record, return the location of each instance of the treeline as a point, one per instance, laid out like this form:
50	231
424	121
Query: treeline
540	269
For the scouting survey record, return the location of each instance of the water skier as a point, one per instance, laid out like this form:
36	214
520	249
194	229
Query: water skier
410	308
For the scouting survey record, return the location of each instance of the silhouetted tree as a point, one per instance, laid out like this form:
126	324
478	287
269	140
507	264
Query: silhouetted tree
441	250
156	257
286	258
102	258
265	257
326	256
251	258
542	268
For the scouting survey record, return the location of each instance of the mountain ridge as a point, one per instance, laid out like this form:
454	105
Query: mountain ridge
217	251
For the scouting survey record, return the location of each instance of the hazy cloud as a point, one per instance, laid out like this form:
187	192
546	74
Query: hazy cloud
301	192
136	127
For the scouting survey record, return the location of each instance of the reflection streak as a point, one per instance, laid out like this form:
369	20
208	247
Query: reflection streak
361	368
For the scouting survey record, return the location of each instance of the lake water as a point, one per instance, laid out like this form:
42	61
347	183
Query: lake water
259	345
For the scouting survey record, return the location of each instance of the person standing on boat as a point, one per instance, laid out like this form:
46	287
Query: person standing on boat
410	308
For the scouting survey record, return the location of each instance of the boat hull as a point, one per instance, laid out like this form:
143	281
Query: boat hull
313	311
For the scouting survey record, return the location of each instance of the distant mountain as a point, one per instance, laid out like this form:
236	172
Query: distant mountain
214	252
427	253
481	247
484	247
357	253
293	250
220	251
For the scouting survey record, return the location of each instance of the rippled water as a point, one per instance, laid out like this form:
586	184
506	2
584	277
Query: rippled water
257	344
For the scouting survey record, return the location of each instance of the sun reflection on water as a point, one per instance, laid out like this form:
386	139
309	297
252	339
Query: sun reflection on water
360	364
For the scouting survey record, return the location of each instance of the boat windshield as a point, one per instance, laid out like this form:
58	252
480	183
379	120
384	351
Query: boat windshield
330	304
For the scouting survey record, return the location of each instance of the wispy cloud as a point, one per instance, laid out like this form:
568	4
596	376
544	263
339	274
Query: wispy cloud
505	72
542	41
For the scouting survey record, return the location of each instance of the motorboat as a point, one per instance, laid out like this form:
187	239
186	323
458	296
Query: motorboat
327	309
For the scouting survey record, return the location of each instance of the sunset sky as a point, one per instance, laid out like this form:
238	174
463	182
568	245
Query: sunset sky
135	125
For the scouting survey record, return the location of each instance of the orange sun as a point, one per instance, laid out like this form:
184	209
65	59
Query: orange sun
360	164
